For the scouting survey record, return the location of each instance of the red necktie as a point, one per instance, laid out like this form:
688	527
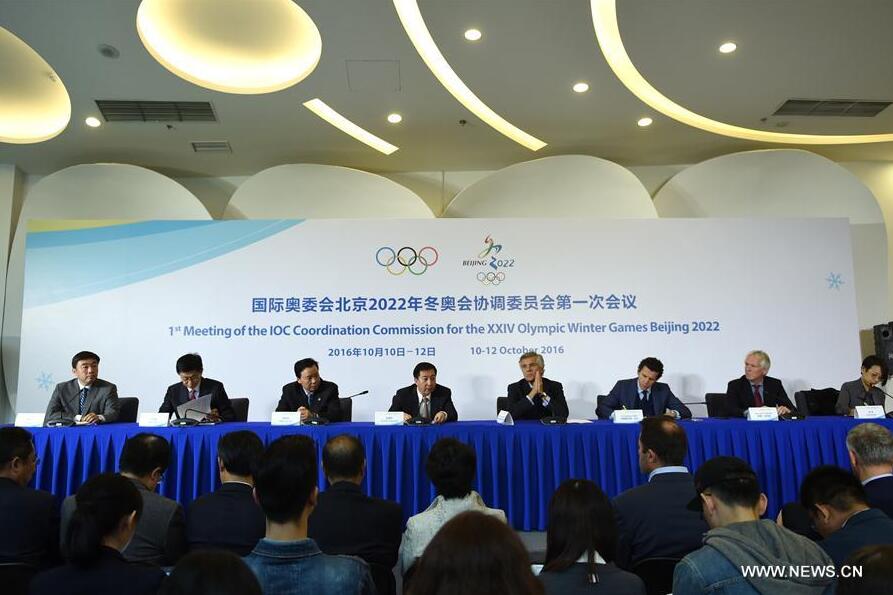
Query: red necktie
192	395
757	398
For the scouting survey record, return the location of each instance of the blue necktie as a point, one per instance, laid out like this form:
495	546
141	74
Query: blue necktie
82	400
647	405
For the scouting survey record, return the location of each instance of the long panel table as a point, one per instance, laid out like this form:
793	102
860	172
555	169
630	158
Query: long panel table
519	466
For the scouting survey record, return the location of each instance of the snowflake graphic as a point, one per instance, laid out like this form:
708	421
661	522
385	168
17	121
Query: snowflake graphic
44	381
834	280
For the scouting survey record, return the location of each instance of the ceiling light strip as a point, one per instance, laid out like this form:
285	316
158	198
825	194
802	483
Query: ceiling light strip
414	25
319	107
607	32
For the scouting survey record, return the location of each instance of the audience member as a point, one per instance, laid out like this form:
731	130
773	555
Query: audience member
286	561
211	572
346	521
475	553
581	540
160	536
870	448
875	563
839	509
103	523
229	518
653	519
451	467
730	498
29	518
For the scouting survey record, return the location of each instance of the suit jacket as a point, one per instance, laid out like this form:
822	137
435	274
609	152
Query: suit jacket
407	401
111	575
102	399
869	527
160	536
853	393
30	521
227	519
653	521
880	494
739	395
572	581
521	408
625	394
177	394
326	402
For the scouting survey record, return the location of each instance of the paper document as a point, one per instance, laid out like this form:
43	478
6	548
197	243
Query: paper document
197	409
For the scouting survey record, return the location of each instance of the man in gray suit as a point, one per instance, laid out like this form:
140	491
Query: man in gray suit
86	395
160	536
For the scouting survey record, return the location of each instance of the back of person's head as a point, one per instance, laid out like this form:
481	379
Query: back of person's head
653	364
143	453
15	443
875	563
474	554
451	466
191	362
211	572
831	486
83	356
343	457
103	503
581	523
872	444
730	480
663	436
239	452
286	477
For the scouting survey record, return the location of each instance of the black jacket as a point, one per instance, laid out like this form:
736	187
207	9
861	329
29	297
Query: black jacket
30	525
177	395
739	395
880	494
111	575
521	408
326	403
407	401
227	519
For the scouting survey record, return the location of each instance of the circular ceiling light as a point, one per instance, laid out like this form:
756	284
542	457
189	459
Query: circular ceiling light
728	47
646	121
93	122
235	47
473	35
395	118
581	87
34	105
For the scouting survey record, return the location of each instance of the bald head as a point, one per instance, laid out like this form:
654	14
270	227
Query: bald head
343	459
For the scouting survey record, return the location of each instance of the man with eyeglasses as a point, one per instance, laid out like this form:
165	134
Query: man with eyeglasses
193	386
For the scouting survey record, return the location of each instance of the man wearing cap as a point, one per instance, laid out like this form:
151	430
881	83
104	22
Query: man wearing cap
739	542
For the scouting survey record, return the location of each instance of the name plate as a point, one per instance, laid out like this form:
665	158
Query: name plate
627	416
285	418
505	418
29	420
762	414
152	420
388	418
869	412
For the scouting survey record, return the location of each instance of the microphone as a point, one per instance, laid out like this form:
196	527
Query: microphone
62	422
886	413
181	422
365	392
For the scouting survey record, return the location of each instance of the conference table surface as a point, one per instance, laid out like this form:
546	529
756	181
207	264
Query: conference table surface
518	467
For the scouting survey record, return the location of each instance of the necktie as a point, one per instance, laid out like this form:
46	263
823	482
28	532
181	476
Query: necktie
647	405
82	400
757	397
311	400
192	395
425	408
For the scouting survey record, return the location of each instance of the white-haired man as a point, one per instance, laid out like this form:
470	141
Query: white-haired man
756	389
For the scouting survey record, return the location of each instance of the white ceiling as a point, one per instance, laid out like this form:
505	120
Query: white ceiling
531	53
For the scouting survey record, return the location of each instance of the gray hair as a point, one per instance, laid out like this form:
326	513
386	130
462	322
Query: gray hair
529	354
871	443
765	362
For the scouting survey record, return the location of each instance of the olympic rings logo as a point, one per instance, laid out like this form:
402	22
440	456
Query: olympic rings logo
491	278
406	259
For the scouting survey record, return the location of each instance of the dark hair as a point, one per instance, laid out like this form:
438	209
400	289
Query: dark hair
653	364
475	554
83	355
423	367
581	522
143	453
307	362
285	477
191	362
343	456
14	443
211	572
873	360
240	451
876	562
101	503
451	466
831	486
665	437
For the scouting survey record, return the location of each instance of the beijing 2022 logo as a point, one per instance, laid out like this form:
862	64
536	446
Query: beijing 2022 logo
397	262
492	261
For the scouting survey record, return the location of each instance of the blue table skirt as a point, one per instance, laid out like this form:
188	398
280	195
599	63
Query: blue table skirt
519	466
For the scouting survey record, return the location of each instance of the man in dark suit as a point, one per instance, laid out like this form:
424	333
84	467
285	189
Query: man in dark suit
755	389
870	448
534	396
645	393
160	536
193	386
85	399
839	510
229	518
653	520
346	521
29	518
310	395
425	398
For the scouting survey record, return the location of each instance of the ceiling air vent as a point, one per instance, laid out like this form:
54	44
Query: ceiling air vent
156	111
211	146
851	108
